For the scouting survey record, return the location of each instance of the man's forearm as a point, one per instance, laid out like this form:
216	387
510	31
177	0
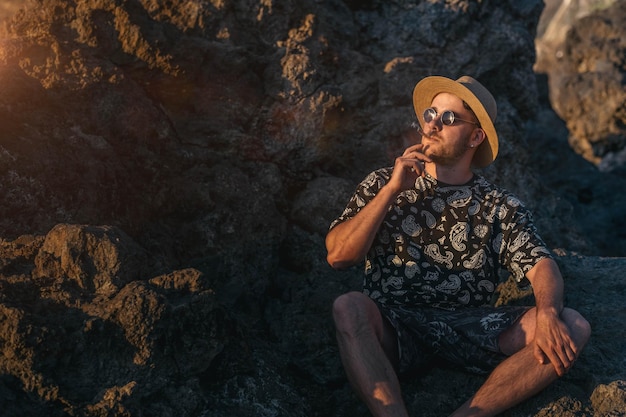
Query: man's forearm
348	242
553	340
547	284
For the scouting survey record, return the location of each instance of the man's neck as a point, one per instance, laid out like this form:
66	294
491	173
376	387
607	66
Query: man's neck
453	175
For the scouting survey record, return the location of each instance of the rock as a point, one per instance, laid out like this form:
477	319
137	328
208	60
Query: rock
91	258
319	202
587	86
610	400
109	344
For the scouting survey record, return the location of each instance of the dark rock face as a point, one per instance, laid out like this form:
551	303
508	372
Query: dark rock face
84	334
217	140
165	345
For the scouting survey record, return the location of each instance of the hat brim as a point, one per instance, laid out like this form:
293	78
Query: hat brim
426	90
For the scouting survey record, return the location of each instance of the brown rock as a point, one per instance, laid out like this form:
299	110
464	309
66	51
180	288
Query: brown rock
85	332
587	86
98	260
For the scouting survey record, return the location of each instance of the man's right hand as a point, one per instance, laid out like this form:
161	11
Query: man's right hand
408	167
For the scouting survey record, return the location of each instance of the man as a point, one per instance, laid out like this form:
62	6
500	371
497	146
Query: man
434	235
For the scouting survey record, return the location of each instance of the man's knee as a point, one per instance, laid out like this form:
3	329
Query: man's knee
579	326
352	311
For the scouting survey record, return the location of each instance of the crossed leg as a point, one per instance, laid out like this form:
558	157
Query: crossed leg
368	350
521	376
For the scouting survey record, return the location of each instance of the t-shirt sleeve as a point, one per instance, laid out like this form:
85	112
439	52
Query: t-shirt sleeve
365	192
522	247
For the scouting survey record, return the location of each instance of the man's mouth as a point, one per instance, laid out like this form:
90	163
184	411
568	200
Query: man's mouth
432	136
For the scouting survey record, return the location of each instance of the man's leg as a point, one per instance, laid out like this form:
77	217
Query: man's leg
520	376
366	343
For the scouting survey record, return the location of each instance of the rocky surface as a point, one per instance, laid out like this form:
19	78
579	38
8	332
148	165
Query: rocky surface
586	70
581	55
168	172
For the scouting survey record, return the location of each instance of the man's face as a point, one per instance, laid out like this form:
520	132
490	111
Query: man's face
448	143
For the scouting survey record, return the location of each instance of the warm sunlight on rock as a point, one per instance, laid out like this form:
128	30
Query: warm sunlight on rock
389	66
8	8
266	7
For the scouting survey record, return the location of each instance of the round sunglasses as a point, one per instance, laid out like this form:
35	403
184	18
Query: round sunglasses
448	117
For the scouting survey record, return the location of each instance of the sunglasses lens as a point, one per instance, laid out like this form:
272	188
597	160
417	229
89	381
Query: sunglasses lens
447	118
429	115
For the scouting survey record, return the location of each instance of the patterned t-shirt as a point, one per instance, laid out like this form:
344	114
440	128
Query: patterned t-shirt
444	245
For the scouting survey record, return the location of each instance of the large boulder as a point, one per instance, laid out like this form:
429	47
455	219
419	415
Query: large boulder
587	87
136	103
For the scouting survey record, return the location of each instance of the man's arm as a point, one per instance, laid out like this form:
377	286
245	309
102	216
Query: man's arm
553	341
348	242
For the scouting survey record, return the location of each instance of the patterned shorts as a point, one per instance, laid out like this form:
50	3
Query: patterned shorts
466	338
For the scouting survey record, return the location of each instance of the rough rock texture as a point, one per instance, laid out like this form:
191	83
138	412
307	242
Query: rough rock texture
87	330
588	87
216	140
166	346
581	51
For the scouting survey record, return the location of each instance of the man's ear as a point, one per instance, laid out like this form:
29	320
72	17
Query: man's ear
478	137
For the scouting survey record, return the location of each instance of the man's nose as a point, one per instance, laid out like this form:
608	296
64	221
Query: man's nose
435	122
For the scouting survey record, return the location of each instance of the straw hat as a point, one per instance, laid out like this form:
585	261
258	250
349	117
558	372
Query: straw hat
476	96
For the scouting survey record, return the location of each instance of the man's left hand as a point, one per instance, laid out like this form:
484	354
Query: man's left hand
553	342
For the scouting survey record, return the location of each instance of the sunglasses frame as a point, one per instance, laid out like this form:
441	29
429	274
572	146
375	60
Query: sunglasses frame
447	117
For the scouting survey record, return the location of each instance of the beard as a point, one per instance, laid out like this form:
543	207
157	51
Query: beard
446	155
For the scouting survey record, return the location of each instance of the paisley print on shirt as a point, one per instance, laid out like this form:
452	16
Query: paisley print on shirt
443	245
411	227
458	236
